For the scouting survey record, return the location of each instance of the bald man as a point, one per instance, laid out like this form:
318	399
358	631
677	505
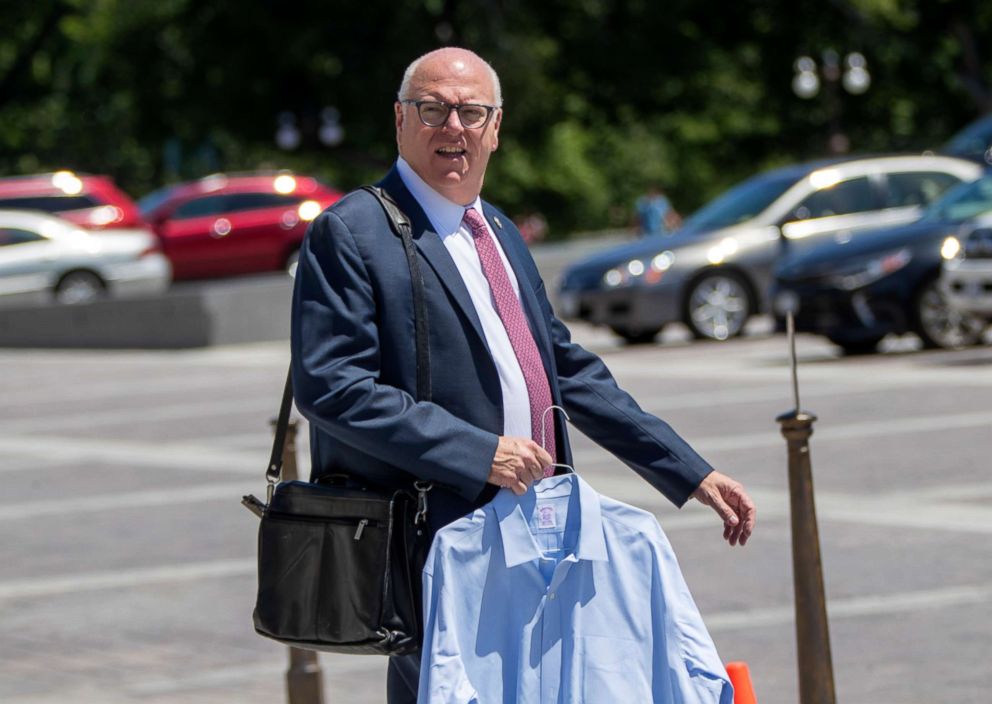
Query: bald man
499	358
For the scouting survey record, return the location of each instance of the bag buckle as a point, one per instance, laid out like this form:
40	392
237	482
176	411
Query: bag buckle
422	489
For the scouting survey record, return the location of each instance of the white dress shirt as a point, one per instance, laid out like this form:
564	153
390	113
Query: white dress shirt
447	220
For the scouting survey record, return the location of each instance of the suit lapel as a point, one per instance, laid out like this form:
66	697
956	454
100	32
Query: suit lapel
433	250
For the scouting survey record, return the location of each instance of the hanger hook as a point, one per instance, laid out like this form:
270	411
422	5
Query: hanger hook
544	417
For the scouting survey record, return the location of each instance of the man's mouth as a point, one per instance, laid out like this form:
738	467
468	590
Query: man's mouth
450	152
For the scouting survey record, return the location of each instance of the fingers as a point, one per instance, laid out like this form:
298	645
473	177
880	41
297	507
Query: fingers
728	498
518	463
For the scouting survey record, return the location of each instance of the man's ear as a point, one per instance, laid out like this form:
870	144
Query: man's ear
398	110
497	120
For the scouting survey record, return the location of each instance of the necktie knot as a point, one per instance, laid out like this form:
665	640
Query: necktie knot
476	223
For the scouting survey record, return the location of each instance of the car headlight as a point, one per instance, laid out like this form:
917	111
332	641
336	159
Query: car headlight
950	248
613	278
863	272
648	270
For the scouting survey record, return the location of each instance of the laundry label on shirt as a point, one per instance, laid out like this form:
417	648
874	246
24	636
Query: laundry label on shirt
546	517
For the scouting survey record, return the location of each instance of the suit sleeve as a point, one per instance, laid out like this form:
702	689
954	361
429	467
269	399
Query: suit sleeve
336	362
612	418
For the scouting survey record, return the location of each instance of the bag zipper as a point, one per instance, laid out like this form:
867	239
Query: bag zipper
361	523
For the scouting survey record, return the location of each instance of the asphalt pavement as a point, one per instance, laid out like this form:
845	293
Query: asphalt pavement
127	565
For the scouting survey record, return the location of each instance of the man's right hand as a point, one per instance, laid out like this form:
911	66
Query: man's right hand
517	463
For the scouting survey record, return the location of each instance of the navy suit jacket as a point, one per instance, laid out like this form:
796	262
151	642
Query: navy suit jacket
354	365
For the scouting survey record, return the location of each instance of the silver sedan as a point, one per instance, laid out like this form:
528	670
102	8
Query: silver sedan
46	259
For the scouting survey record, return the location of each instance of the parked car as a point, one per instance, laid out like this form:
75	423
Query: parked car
714	273
92	202
859	290
973	141
966	278
225	225
44	258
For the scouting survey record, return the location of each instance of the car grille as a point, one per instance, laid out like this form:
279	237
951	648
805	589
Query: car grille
979	244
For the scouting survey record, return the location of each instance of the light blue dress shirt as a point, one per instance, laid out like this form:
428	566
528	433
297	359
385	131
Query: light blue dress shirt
562	596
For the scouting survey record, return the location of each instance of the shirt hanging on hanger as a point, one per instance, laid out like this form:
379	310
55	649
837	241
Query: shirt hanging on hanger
562	596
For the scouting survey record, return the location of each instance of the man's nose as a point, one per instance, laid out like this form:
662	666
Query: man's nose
453	123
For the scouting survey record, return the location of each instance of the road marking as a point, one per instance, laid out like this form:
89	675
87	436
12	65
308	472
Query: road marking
133	499
130	388
852	607
125	579
180	456
150	413
824	432
902	510
334	669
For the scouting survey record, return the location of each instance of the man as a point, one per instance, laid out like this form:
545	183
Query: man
499	358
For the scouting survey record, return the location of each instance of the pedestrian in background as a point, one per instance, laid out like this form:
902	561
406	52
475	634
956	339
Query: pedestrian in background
655	214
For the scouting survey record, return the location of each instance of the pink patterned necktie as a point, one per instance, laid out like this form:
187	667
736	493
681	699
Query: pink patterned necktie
511	312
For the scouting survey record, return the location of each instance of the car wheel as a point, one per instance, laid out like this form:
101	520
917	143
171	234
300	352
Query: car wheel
292	261
856	346
717	306
939	324
637	337
79	287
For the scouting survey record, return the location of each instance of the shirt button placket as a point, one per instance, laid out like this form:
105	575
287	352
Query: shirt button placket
551	647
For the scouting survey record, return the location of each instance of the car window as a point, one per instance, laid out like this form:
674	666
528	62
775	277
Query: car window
852	196
740	203
154	199
14	235
917	187
49	204
973	140
255	201
201	207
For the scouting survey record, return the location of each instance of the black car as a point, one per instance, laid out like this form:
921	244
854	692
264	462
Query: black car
855	291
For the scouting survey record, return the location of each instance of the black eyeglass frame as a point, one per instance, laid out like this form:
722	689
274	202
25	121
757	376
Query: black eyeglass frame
490	109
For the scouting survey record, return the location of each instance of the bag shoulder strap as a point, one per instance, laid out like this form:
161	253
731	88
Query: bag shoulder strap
401	225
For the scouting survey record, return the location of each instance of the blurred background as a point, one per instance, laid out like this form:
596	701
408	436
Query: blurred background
601	97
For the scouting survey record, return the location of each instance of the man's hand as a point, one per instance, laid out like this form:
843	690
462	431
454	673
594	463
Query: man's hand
731	502
517	463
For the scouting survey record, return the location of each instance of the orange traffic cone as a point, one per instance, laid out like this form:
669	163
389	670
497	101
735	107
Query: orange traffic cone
740	677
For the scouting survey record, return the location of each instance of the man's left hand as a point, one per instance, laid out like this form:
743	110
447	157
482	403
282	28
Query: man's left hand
728	498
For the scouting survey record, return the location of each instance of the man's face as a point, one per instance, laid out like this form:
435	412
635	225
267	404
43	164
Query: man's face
451	159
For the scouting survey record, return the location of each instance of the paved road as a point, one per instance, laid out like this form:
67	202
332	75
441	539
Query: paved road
127	575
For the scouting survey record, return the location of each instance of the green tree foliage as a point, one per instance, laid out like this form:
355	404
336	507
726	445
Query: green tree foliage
602	97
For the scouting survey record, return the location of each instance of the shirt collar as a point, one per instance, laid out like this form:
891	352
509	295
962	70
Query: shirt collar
511	510
444	214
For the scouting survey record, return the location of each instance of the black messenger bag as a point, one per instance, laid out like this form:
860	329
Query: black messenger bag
339	561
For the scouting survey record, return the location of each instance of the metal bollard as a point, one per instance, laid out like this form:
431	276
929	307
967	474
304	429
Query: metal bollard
304	679
816	675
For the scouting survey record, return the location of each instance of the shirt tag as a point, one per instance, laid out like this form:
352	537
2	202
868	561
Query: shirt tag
546	517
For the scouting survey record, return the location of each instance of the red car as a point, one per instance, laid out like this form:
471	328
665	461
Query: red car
224	225
92	202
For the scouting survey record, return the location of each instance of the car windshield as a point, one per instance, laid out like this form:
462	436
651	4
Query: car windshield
740	203
154	199
972	139
963	202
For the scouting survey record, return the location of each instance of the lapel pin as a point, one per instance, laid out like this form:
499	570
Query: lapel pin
498	223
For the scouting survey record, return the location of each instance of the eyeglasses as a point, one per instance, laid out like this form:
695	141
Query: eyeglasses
434	113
